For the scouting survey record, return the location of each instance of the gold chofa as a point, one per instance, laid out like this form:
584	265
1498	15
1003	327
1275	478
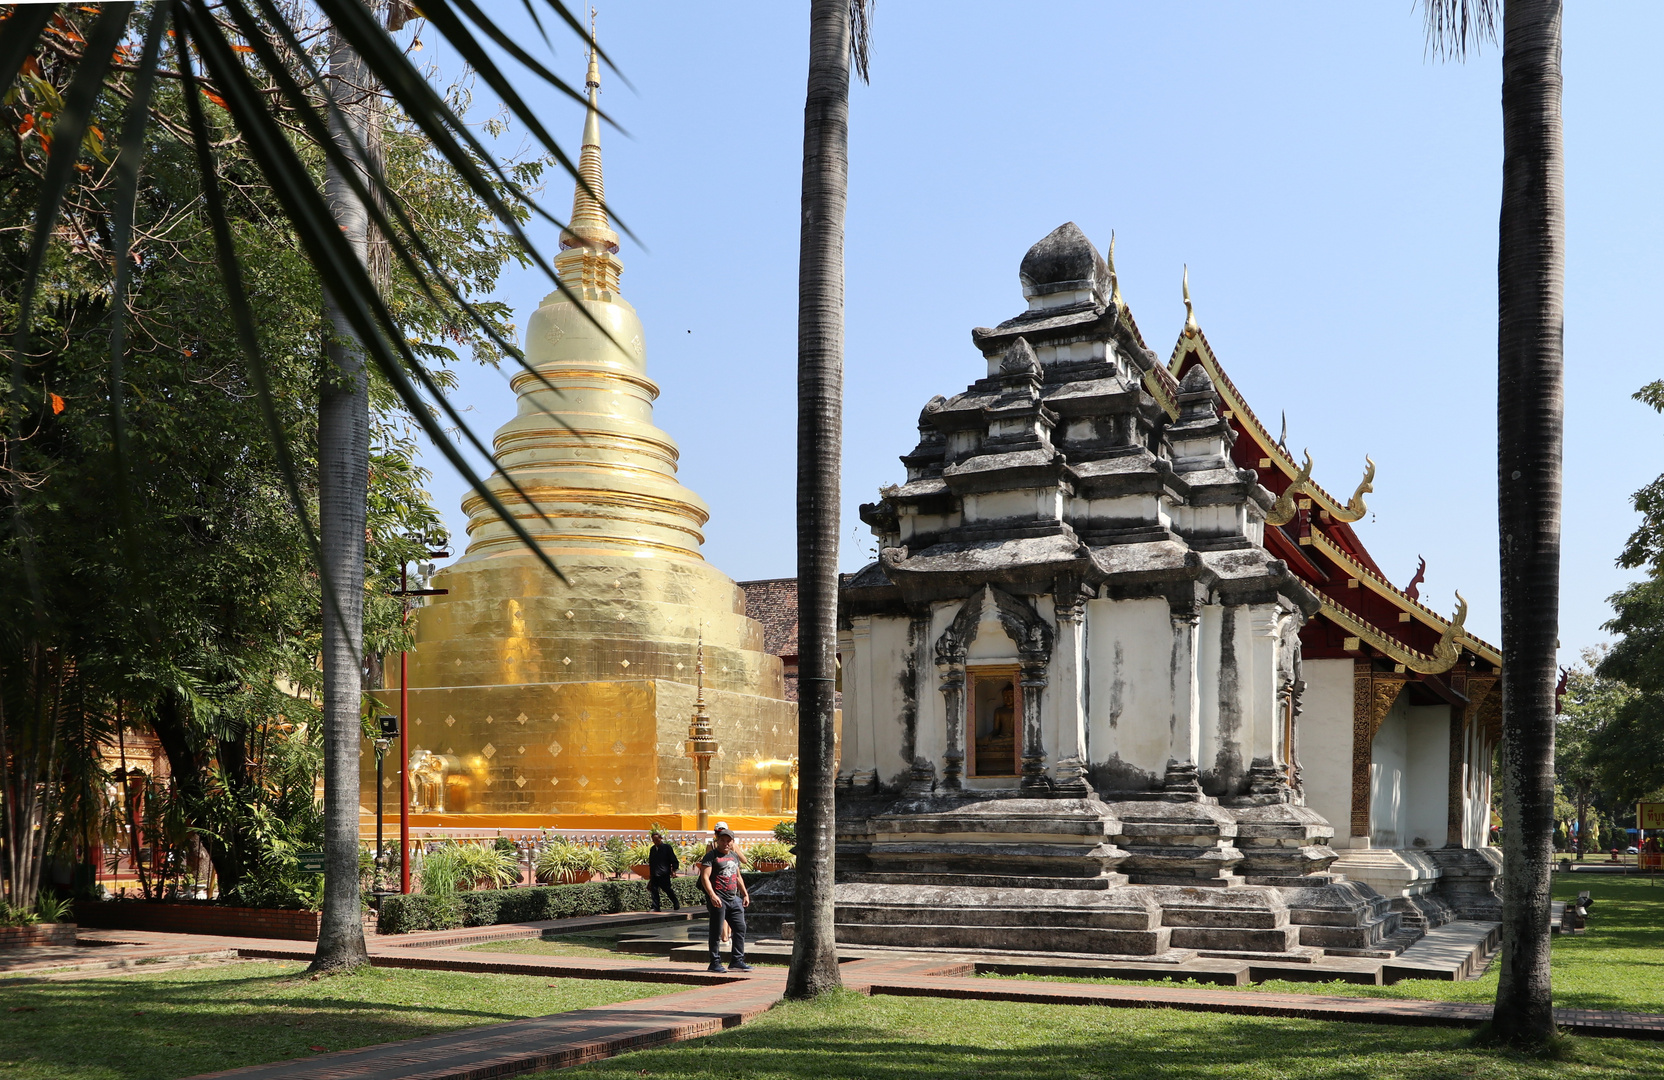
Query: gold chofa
1283	510
571	700
1355	507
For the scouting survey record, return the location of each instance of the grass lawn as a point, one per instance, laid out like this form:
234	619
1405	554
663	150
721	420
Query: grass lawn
915	1038
1617	964
179	1023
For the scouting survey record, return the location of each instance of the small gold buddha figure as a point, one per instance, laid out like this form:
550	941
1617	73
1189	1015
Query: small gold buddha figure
1004	716
996	742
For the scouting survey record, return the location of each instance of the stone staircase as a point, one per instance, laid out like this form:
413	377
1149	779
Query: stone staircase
1140	878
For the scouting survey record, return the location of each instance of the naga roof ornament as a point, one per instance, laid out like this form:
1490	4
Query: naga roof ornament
1191	329
1355	507
1283	510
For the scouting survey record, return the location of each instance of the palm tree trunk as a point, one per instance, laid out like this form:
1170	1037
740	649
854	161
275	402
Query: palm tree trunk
343	475
820	388
1530	300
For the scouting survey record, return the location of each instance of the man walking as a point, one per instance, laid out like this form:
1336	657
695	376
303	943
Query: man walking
726	897
662	865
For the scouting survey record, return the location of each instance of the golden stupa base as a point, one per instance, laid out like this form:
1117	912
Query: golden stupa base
585	753
520	824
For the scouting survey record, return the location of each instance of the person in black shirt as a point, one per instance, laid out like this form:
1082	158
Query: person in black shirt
726	897
662	865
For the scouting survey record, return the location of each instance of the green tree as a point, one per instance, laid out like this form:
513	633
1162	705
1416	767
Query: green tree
1627	755
153	568
1531	255
1592	704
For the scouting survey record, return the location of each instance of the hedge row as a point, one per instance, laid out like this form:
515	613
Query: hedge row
487	907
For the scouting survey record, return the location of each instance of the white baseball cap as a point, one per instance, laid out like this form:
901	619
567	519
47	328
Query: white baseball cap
721	828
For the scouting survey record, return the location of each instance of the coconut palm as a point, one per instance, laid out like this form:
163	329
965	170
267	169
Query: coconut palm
343	485
1531	259
255	66
837	36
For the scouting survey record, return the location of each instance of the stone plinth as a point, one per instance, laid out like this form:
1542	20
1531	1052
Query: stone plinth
1178	842
1471	876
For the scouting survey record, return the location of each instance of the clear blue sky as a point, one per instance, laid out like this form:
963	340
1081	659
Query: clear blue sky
1332	188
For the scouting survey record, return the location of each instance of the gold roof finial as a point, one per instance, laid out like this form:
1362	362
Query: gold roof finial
588	241
1114	278
1190	326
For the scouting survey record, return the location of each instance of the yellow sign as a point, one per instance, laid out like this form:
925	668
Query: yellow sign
1650	815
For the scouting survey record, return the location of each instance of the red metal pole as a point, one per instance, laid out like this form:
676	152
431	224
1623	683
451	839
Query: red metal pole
404	749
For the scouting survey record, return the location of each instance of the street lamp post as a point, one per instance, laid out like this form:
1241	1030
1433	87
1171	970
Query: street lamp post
701	742
389	731
405	593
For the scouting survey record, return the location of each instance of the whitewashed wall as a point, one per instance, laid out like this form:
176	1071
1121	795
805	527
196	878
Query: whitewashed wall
1427	778
1326	742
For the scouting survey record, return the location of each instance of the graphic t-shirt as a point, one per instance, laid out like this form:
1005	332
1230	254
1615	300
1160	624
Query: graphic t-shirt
725	873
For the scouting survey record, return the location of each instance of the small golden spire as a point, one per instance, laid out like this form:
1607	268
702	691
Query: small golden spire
1190	326
1114	278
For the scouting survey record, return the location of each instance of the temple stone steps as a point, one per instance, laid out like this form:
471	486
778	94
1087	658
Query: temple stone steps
1061	917
1049	938
1099	883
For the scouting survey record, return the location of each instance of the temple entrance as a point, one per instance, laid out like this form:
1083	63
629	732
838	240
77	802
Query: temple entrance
996	705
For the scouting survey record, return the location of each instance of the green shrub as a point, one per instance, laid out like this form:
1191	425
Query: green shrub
17	916
637	855
487	907
767	851
786	832
618	854
50	909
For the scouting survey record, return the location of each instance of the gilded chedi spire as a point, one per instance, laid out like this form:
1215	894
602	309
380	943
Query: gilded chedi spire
589	247
569	696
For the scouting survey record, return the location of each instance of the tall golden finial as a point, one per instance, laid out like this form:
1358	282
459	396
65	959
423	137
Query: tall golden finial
1114	278
1190	326
588	242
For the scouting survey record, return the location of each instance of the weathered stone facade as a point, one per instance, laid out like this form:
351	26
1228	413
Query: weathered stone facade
1073	680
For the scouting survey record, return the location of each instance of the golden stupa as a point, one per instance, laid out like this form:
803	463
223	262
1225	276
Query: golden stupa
537	703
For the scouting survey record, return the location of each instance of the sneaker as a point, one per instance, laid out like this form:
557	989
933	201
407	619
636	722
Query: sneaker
718	969
739	965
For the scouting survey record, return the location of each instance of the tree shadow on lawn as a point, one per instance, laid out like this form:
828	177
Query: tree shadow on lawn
159	1028
885	1040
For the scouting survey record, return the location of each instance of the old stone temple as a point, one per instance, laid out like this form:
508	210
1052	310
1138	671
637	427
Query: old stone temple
1124	680
537	702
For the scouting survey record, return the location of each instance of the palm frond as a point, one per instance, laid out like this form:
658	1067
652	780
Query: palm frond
1456	26
129	163
860	37
337	264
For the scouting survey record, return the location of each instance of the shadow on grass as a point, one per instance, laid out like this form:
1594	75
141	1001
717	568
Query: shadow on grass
895	1038
164	1026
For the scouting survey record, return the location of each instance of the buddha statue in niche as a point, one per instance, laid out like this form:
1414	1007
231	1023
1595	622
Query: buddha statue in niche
996	728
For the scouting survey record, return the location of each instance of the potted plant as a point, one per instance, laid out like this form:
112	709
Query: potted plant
767	856
638	856
565	863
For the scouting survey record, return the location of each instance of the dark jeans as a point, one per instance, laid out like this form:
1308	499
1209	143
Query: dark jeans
655	885
734	912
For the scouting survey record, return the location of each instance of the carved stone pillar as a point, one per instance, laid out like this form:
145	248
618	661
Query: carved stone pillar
1069	775
860	735
1034	779
1264	737
953	761
1185	735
